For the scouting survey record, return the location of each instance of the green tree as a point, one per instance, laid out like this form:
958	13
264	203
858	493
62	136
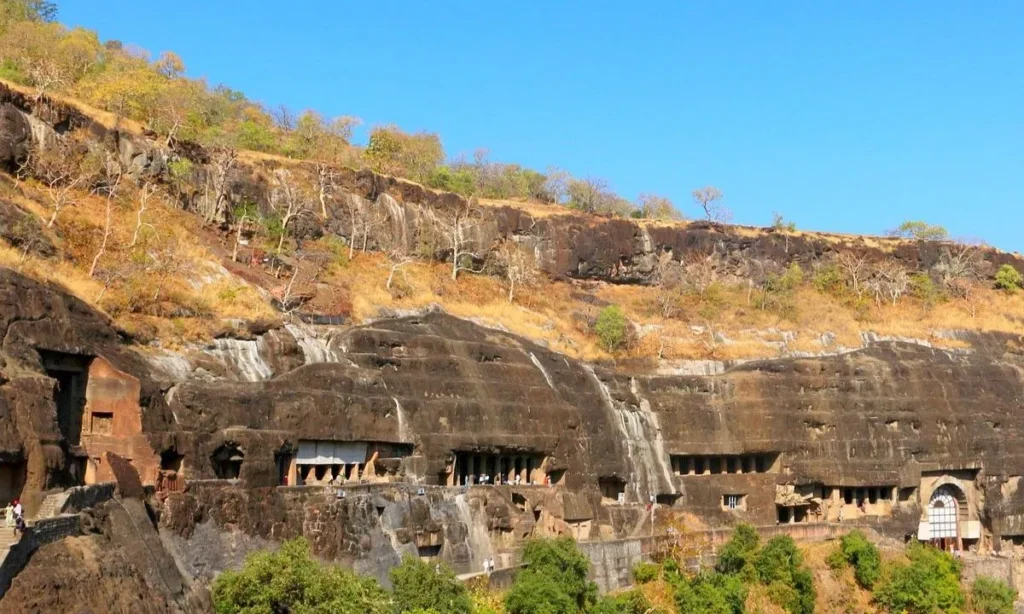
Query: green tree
929	583
419	584
780	567
710	593
922	231
1008	278
289	580
611	327
394	152
563	561
536	593
863	556
630	602
991	596
737	556
460	181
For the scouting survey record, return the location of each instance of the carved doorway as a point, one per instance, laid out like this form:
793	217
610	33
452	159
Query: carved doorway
944	516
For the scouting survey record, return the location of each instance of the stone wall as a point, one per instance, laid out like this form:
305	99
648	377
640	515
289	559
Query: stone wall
45	531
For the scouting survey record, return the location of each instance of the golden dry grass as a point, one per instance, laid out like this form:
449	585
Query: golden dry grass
167	287
104	118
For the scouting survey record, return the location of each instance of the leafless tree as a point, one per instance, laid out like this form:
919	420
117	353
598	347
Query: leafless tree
889	282
519	265
699	268
147	191
283	117
244	214
111	187
458	234
289	201
397	260
215	200
856	268
325	185
959	261
709	199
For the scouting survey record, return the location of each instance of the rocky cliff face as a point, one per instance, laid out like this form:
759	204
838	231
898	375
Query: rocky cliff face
435	405
432	393
406	215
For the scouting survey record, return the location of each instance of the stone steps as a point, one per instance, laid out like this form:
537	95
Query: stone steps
7	539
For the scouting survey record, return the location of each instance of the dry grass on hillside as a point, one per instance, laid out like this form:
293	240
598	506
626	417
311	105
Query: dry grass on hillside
173	286
166	287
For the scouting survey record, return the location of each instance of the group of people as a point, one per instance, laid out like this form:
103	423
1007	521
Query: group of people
14	514
488	565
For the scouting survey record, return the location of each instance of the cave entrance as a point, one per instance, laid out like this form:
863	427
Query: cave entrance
170	478
71	371
613	489
283	461
227	461
12	479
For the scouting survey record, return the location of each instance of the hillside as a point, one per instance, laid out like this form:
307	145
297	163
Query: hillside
198	238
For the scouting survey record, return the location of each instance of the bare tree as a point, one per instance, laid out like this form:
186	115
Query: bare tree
458	231
397	259
145	194
61	168
59	190
709	199
242	214
519	265
215	200
289	201
856	268
890	282
111	187
325	185
959	261
699	270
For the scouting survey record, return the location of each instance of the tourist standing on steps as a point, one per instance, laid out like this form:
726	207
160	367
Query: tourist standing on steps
9	516
19	518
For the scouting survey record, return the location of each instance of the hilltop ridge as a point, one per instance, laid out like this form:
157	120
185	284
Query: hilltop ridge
692	289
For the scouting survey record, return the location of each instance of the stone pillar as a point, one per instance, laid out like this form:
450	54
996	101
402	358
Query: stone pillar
511	469
293	472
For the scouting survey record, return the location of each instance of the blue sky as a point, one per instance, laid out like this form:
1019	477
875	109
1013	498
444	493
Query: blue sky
842	116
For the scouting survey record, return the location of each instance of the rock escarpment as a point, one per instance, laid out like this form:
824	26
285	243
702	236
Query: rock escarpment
406	215
474	439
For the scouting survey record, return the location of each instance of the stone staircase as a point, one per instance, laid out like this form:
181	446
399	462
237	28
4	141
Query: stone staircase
7	539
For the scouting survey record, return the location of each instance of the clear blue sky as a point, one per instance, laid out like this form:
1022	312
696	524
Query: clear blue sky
843	116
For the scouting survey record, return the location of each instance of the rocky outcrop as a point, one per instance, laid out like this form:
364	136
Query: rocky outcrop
566	244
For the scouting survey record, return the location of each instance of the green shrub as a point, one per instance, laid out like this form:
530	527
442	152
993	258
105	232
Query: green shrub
923	288
829	280
460	181
419	584
630	602
1009	278
645	572
863	555
776	560
611	328
711	593
836	560
561	560
737	556
533	592
929	583
991	596
779	566
289	580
